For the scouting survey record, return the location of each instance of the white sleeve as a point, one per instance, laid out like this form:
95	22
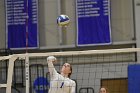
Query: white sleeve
73	87
51	68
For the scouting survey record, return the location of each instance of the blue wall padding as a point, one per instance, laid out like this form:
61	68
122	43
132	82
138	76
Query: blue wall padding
134	78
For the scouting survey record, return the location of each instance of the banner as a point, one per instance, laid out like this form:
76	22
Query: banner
41	85
21	23
93	22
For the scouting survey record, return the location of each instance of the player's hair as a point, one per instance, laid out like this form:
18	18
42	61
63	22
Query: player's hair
70	70
107	91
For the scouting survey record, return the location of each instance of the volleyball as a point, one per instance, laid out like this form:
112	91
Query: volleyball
63	20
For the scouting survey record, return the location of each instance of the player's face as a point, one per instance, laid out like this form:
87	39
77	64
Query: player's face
103	90
66	68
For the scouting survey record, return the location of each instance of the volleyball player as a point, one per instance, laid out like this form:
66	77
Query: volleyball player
103	90
60	83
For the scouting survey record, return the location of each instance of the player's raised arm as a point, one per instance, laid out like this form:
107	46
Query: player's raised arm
50	61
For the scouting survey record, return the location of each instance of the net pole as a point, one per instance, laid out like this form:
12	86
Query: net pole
27	72
12	59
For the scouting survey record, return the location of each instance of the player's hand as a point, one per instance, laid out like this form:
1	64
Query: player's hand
51	59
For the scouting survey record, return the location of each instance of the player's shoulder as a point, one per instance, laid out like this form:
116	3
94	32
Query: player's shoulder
72	80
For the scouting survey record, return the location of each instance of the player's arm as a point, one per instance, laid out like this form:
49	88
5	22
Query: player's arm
73	88
50	61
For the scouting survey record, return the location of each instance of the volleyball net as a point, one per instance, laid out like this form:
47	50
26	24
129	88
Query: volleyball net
116	69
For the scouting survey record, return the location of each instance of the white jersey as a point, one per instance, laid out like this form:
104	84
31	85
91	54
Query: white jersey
59	83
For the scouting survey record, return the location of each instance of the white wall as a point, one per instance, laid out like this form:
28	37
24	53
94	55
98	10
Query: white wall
2	24
137	23
121	22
